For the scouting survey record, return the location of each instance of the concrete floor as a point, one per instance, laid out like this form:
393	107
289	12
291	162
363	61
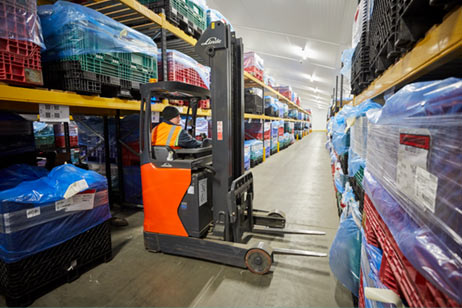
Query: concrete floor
297	181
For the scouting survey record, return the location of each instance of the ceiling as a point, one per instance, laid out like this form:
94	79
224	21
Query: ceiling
300	41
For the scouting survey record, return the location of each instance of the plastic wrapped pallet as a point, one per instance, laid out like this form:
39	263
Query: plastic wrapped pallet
271	106
88	51
42	213
44	135
256	150
20	43
413	152
246	156
358	137
185	69
254	64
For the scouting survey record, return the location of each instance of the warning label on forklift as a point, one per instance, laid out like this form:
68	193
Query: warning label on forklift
219	130
202	191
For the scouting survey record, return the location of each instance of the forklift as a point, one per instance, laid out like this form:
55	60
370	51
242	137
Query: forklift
198	202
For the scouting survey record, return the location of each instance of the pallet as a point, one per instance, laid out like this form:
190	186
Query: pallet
396	272
26	280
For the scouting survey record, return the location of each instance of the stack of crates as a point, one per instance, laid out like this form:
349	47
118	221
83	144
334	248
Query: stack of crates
185	69
20	61
254	65
186	14
113	74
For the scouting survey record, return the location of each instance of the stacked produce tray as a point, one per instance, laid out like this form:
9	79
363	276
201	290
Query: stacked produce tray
396	272
185	14
88	52
254	65
24	281
20	61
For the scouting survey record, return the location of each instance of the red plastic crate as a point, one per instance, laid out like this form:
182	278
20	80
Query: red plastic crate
361	300
396	272
178	71
128	157
254	71
20	62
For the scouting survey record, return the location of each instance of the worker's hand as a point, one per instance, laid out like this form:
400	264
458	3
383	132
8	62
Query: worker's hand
206	142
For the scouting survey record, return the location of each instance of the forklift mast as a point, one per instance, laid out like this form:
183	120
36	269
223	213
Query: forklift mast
223	53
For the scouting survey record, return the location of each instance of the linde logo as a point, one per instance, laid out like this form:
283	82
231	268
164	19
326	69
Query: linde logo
211	41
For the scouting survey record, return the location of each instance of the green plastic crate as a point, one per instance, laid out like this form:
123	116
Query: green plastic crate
359	177
126	66
197	15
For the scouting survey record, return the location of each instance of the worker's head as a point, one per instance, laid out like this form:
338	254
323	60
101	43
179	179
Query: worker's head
171	114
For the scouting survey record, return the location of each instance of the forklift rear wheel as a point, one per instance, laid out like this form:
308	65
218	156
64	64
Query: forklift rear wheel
258	261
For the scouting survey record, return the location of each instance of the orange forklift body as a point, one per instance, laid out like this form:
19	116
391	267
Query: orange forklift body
163	190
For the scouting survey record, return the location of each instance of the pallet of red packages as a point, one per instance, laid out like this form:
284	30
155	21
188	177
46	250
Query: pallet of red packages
254	71
396	272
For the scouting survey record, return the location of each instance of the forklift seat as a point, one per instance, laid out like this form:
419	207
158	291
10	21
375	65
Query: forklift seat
163	153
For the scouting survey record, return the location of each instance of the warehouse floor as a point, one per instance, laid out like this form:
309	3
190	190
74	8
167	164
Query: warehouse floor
297	181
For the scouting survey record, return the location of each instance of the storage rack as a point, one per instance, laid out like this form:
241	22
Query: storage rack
437	55
156	26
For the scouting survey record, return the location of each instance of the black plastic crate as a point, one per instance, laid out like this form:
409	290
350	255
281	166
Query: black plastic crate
68	76
415	18
253	102
26	280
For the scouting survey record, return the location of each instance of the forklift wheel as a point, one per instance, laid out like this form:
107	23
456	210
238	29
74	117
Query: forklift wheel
277	213
258	261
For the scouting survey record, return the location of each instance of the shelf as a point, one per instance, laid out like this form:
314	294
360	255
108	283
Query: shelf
442	44
27	100
252	81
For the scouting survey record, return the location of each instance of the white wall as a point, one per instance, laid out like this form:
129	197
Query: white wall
318	118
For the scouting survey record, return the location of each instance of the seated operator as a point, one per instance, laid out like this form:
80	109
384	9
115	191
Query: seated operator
170	133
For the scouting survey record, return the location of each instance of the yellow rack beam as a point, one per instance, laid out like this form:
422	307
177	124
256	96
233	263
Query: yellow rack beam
441	44
10	95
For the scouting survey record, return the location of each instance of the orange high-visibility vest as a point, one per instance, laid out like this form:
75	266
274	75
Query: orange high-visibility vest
166	134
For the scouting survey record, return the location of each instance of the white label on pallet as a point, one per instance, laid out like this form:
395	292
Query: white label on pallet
53	113
202	191
32	212
426	185
62	204
83	201
413	149
75	188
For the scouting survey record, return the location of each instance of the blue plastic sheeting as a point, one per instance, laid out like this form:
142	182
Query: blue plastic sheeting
16	174
345	252
214	15
271	102
130	128
132	185
347	56
71	29
341	137
246	156
50	188
422	99
34	216
434	256
371	258
32	31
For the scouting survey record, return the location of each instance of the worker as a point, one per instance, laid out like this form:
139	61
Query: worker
169	132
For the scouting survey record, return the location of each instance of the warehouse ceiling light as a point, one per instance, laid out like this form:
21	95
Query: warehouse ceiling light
306	52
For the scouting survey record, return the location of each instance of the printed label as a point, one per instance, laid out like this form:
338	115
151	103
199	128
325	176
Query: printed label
83	201
426	185
202	191
32	212
62	204
220	130
53	113
75	188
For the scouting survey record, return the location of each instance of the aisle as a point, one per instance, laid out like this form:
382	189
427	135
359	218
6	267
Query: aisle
297	181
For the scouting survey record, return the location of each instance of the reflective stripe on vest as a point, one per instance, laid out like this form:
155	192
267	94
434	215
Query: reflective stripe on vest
166	134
